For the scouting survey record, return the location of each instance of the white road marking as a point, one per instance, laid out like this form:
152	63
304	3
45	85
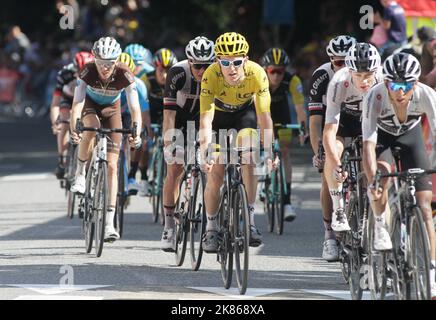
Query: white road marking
49	289
27	177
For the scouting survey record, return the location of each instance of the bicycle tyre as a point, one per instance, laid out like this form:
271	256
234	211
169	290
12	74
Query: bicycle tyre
278	201
355	262
181	227
100	207
241	236
197	220
88	220
121	198
72	165
419	236
225	254
268	204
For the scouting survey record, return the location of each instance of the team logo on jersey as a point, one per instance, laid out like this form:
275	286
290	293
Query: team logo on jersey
129	76
379	97
206	91
223	94
346	84
313	92
205	80
245	96
84	72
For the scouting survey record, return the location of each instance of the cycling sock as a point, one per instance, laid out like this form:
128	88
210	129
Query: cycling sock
133	169
81	167
169	217
328	233
212	222
380	221
110	215
251	210
337	200
144	175
288	196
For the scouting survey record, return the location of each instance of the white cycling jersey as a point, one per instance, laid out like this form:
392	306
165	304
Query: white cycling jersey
378	111
343	96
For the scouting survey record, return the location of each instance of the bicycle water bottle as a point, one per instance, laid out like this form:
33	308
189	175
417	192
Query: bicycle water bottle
403	236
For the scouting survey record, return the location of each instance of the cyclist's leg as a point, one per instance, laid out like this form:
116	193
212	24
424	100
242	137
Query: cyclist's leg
62	140
90	118
413	155
111	118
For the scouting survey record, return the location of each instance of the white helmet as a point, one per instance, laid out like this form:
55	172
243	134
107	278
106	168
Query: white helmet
401	67
363	57
339	46
201	49
107	49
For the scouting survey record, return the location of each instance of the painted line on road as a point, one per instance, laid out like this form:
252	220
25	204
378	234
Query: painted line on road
27	177
50	289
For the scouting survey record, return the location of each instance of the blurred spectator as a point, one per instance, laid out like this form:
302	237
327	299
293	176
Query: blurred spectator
394	22
16	43
428	55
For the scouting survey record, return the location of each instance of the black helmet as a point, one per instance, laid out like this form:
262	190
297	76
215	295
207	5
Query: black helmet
275	57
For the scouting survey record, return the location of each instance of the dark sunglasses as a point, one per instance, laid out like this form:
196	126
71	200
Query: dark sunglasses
278	71
406	86
199	66
338	63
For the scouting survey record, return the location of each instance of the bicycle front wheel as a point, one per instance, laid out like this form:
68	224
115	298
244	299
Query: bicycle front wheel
241	234
353	246
225	250
268	207
419	262
197	220
121	195
182	224
72	165
278	200
88	217
100	207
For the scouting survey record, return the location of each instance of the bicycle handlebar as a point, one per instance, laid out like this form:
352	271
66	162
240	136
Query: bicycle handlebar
132	131
404	175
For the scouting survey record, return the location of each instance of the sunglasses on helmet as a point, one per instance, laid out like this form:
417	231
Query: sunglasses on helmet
227	63
406	86
273	70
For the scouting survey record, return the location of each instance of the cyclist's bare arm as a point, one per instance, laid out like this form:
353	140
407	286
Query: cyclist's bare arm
315	129
169	122
329	142
205	131
266	129
54	111
301	113
146	123
134	107
78	104
369	160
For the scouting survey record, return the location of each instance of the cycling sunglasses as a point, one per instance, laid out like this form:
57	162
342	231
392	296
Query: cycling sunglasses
105	63
406	86
278	71
338	63
199	66
227	63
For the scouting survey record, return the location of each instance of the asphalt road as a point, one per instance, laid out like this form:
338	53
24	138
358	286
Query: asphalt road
42	254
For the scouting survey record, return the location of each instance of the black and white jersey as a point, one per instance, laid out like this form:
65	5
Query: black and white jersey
182	91
379	113
318	89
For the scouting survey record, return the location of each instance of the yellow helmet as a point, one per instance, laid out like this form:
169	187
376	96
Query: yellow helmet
128	61
231	44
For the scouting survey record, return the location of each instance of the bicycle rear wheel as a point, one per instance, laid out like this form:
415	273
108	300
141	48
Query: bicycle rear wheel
353	245
225	251
100	207
278	201
419	262
182	226
72	165
241	233
88	218
197	220
268	207
121	195
377	264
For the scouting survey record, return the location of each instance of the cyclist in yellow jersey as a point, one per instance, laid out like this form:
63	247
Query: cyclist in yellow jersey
282	84
234	95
